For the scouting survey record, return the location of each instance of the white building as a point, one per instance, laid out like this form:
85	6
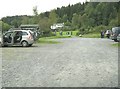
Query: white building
57	26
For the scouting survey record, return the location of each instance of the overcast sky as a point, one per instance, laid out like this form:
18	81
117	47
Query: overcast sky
25	7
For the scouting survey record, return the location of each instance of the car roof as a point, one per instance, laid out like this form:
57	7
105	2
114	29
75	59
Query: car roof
23	30
19	30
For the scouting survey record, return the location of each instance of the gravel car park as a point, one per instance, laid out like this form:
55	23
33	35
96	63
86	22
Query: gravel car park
76	62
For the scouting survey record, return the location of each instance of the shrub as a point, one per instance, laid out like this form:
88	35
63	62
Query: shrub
99	28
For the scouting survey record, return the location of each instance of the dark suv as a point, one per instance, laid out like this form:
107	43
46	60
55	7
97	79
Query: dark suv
115	33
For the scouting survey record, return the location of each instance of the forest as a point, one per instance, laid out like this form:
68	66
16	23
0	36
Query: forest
89	17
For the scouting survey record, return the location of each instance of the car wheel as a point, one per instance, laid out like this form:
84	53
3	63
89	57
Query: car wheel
24	43
4	45
115	40
0	44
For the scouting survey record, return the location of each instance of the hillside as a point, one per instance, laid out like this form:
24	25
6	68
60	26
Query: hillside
89	16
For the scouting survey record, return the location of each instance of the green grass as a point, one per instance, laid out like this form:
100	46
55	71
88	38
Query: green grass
55	37
91	35
116	44
47	41
50	40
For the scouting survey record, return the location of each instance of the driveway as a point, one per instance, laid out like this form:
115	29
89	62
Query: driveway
76	62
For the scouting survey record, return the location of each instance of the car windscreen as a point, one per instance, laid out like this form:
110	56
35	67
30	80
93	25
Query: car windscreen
116	30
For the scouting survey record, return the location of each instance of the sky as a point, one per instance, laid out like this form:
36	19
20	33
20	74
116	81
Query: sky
25	7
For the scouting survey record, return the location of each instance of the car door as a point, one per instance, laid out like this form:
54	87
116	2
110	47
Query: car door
17	36
8	37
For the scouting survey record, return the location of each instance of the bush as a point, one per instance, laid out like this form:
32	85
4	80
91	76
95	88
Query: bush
78	33
47	33
99	28
92	35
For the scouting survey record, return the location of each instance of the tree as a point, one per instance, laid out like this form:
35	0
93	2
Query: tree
68	23
113	22
59	20
15	23
91	22
44	24
89	9
5	26
119	16
84	21
81	16
65	18
75	20
53	17
25	20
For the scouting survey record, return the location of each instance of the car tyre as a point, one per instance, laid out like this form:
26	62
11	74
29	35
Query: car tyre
30	45
0	44
24	43
115	40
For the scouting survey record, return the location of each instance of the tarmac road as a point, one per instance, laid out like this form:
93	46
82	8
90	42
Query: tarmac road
76	62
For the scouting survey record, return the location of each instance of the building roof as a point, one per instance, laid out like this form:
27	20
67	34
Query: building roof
29	25
57	25
14	29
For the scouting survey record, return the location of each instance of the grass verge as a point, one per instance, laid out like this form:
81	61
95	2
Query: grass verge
55	37
47	41
91	35
116	44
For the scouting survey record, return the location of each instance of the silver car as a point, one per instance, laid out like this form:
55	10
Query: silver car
17	37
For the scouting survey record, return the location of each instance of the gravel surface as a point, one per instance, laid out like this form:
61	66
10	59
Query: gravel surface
76	62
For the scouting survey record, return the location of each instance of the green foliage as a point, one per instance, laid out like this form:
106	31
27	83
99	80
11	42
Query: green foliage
88	17
5	26
47	41
118	15
99	28
75	20
58	36
116	44
53	17
113	22
65	18
92	35
25	20
44	23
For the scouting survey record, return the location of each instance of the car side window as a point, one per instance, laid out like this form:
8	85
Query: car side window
8	34
24	33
